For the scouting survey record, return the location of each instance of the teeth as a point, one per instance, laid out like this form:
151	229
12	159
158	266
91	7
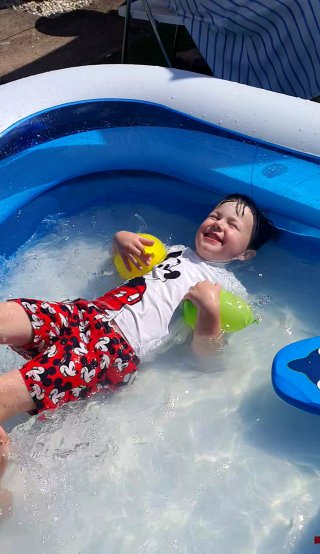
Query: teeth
213	236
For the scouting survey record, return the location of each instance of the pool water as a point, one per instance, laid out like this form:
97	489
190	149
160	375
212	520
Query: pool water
188	459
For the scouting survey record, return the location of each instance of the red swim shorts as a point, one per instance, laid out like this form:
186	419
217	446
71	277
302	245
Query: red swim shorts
74	353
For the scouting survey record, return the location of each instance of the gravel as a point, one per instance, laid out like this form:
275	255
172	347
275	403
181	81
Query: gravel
46	8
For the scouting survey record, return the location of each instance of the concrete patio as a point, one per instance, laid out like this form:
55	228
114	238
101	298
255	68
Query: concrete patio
30	44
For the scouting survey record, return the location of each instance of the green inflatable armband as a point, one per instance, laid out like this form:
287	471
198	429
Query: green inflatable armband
235	313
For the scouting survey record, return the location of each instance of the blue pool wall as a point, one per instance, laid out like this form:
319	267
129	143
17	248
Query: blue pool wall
70	141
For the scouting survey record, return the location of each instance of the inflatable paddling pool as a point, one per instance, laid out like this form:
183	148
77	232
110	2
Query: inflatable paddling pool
215	134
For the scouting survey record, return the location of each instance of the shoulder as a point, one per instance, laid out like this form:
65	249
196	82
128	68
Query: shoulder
236	286
175	251
228	280
175	248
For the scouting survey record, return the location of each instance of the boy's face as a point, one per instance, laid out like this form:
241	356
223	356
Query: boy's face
225	234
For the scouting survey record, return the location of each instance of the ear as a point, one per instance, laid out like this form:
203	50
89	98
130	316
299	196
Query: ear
246	255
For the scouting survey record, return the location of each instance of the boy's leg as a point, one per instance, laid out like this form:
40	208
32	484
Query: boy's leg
15	329
4	451
14	399
14	396
15	326
6	497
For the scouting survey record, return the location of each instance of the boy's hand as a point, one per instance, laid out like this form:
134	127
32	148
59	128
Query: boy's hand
131	248
207	334
206	297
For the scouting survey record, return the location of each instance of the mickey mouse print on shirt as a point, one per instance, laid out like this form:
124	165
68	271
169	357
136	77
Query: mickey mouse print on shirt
131	293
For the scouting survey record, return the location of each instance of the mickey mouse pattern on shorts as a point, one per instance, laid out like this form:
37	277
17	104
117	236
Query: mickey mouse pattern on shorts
75	352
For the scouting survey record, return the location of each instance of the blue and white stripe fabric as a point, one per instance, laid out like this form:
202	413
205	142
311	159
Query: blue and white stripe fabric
270	44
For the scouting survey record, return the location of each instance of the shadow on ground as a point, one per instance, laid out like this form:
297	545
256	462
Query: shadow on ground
96	37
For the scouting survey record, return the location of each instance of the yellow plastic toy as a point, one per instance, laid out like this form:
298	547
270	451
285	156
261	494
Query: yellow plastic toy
157	252
235	313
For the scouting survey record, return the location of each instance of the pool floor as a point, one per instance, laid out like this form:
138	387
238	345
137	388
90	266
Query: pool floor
188	459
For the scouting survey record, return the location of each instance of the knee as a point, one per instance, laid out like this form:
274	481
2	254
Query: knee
3	319
14	395
2	309
15	327
5	310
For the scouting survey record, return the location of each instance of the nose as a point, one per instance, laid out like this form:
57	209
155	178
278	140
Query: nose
218	224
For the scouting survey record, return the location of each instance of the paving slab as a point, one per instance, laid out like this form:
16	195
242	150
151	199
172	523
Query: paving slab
12	23
30	44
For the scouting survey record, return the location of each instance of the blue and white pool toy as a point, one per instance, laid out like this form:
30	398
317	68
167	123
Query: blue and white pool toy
296	374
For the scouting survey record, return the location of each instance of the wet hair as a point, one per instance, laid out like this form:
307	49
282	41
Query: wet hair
263	229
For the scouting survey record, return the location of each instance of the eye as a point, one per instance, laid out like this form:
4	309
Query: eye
234	226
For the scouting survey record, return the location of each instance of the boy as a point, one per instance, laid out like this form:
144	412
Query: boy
77	347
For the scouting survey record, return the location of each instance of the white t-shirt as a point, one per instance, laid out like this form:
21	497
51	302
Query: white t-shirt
149	302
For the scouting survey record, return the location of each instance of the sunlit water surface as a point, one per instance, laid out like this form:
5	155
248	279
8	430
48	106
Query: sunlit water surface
186	460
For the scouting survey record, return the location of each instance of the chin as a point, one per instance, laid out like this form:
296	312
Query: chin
210	256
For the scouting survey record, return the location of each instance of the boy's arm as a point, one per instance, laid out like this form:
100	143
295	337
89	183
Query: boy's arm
207	336
131	246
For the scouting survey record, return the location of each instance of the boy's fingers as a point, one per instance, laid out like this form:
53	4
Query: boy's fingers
146	242
126	262
135	262
136	250
129	261
145	258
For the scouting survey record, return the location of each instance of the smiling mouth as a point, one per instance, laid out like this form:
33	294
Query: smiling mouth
212	237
